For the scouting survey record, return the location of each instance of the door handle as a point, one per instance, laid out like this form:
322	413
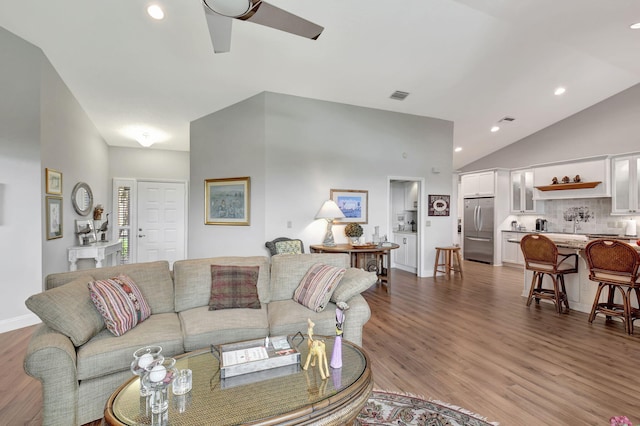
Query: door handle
141	235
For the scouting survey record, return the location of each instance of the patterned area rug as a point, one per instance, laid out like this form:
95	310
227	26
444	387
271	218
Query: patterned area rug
385	408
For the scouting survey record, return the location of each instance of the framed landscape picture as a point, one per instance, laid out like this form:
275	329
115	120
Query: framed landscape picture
54	181
227	201
353	203
54	218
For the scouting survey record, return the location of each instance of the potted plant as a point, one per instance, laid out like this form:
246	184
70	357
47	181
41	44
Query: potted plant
353	231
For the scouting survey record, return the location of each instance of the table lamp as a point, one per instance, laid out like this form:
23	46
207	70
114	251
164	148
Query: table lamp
329	211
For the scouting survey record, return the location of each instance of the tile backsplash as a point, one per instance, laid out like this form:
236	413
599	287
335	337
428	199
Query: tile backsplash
594	216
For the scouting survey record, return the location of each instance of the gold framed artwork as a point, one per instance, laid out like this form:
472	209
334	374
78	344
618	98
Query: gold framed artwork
54	217
353	203
54	182
227	201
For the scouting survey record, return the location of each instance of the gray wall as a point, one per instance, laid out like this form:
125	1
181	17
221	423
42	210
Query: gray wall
144	163
295	150
609	127
21	200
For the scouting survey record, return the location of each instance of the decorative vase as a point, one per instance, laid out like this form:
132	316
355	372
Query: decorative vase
157	378
354	240
336	356
142	358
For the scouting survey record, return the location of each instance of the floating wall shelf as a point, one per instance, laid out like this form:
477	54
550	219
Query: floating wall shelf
573	185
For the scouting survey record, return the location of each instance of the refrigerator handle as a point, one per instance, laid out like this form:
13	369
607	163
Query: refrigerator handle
480	218
475	218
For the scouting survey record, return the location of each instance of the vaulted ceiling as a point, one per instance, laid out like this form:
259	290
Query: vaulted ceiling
469	61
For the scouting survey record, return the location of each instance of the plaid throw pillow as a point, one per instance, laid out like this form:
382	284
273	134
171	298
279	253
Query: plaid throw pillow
234	287
120	303
317	286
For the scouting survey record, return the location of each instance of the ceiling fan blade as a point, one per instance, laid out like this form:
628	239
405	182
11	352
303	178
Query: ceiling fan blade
271	16
219	30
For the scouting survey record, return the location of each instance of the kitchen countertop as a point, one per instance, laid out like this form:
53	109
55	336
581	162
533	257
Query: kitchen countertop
587	235
573	244
404	232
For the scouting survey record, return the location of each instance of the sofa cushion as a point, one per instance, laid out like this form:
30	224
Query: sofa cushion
317	286
287	271
69	310
289	317
354	281
203	327
152	278
234	287
193	279
120	303
106	353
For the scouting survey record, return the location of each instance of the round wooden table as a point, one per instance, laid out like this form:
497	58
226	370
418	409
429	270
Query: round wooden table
297	397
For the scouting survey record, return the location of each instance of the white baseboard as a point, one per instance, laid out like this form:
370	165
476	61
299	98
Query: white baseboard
15	323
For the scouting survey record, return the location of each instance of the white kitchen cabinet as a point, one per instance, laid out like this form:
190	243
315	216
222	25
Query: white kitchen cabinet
522	192
406	256
478	184
625	185
511	252
596	171
411	196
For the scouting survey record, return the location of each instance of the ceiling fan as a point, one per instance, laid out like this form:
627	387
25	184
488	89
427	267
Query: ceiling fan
219	14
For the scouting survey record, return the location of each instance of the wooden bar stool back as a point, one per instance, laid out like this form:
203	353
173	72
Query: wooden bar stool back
450	255
614	266
542	258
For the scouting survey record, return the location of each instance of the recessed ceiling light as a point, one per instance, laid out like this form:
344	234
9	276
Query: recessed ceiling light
495	129
559	91
635	26
458	149
155	12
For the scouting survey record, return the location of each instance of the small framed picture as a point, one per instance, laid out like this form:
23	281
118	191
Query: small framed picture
54	217
86	232
227	201
54	182
439	205
353	203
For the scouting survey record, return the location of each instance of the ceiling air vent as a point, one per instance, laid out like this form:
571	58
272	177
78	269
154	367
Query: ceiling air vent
506	119
399	96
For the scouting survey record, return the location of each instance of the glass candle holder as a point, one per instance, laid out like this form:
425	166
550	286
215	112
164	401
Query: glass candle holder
183	382
157	378
142	358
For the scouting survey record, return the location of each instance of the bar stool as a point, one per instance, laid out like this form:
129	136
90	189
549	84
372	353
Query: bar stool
542	258
614	266
448	253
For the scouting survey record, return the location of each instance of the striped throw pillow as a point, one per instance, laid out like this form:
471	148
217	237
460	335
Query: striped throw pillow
317	286
120	303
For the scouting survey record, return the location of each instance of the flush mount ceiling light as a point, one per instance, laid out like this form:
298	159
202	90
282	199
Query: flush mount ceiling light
155	12
458	149
495	129
559	91
144	135
635	26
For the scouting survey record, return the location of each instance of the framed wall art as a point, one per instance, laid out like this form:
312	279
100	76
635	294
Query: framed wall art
54	217
227	201
54	182
353	203
439	205
86	232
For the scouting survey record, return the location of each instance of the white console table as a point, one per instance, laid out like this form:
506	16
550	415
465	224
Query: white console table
97	251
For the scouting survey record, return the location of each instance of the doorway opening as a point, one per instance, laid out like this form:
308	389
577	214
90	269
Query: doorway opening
405	215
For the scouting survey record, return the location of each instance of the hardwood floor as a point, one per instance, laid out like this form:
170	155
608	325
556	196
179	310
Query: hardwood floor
471	342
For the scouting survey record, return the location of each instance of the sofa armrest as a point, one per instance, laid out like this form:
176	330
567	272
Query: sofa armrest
51	358
357	316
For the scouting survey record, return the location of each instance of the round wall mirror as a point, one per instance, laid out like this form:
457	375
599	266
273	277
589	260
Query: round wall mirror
82	198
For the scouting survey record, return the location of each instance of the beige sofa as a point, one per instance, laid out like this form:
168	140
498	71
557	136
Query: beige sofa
80	363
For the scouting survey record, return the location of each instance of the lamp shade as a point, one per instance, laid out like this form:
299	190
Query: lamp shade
329	210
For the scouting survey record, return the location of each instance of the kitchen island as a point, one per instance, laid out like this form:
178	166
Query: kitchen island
580	289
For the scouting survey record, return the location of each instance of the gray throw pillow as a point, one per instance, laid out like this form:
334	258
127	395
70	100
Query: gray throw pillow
354	281
69	310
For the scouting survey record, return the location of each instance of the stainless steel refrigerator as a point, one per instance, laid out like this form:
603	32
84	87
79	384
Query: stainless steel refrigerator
478	229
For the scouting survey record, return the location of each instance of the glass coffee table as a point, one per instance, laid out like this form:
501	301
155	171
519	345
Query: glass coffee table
289	396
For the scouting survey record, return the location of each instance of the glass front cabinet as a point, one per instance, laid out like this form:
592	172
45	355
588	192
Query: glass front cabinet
626	185
522	192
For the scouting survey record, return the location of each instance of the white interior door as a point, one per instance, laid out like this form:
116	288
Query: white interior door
161	221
